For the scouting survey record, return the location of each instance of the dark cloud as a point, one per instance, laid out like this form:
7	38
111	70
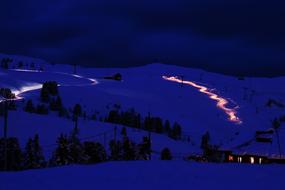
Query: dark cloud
235	37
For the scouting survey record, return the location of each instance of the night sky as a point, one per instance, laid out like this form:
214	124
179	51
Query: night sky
229	36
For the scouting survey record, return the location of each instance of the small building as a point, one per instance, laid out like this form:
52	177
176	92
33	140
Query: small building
245	158
265	147
116	76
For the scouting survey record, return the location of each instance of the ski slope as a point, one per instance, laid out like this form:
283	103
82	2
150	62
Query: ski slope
231	110
221	102
148	175
224	102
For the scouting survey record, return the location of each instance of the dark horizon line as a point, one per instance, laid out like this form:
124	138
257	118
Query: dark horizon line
207	68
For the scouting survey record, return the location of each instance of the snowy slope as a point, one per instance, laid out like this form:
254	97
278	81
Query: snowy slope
144	89
148	175
50	127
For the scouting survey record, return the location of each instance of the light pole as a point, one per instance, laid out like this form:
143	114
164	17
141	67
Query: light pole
5	135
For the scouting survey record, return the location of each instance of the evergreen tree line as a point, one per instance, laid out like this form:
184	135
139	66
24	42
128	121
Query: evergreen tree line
39	109
5	63
29	158
11	105
70	150
211	152
55	104
50	101
49	89
154	124
7	93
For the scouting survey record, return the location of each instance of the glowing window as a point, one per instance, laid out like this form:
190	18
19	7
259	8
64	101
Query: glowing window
231	158
260	160
252	160
240	159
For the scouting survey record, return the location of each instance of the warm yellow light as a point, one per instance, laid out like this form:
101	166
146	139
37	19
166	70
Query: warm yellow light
240	159
221	102
252	160
231	158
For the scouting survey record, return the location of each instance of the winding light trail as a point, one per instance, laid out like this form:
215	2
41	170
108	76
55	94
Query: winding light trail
37	86
221	102
28	88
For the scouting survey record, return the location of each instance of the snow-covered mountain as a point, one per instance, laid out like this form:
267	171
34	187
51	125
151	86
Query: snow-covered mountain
231	109
144	89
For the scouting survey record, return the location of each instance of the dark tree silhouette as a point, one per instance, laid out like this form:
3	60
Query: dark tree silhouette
165	154
14	154
30	107
94	152
116	150
33	155
128	149
205	140
124	132
75	148
61	154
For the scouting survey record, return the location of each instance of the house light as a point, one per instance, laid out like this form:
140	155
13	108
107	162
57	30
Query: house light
239	159
231	158
252	160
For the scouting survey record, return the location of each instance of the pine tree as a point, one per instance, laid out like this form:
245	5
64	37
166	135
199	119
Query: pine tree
147	124
49	88
33	155
138	121
205	140
39	157
116	150
14	154
29	155
30	107
20	64
176	131
94	152
124	132
128	149
75	148
167	128
157	125
166	154
61	154
77	110
145	149
44	94
55	104
113	116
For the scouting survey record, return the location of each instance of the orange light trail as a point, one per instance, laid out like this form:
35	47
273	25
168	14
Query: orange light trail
221	102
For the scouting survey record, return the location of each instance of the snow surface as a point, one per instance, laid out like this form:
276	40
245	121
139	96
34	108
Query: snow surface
148	175
50	127
144	89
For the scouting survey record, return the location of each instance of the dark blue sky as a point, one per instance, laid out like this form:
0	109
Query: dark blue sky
237	36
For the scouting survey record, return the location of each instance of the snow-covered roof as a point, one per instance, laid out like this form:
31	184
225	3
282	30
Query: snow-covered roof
267	149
